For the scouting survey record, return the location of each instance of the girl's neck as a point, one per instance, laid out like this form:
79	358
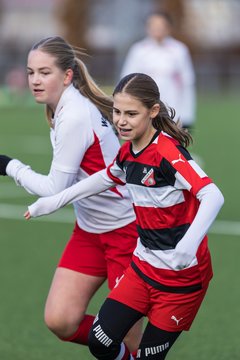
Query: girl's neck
140	144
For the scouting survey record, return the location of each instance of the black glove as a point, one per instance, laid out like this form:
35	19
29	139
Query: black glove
4	160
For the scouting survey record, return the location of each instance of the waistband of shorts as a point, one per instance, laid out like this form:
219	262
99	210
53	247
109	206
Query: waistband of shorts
172	289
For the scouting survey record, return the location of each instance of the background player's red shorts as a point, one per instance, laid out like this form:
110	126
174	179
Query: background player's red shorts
165	310
106	254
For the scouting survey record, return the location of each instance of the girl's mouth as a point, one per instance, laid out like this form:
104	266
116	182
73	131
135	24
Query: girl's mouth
37	91
124	131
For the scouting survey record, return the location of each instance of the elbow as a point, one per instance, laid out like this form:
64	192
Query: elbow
221	199
213	195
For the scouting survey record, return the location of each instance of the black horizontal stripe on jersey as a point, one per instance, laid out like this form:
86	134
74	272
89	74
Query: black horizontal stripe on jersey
162	239
165	288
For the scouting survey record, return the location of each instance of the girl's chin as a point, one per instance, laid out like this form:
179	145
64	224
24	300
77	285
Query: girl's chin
37	97
39	101
124	135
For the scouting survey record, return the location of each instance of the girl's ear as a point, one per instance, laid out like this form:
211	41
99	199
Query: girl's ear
155	110
68	77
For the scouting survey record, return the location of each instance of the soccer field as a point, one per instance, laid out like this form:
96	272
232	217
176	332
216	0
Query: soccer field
30	250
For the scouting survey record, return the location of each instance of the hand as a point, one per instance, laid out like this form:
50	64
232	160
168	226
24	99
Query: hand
27	215
42	206
183	257
4	160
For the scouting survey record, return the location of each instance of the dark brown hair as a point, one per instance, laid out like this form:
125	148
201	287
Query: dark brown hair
144	88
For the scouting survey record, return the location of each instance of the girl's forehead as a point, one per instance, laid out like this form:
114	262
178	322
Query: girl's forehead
39	56
125	99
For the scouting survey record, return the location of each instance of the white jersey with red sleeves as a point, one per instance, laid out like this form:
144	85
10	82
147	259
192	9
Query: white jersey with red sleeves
93	148
83	143
163	181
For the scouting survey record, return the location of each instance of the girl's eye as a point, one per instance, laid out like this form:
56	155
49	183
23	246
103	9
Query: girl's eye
115	111
132	114
45	72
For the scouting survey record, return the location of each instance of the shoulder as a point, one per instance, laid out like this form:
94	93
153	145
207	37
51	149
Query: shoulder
177	45
139	45
167	139
168	147
73	116
75	107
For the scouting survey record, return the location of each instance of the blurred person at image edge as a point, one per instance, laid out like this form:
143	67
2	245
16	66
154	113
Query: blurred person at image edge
168	62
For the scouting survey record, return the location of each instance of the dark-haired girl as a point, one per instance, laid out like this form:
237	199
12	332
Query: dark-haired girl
175	204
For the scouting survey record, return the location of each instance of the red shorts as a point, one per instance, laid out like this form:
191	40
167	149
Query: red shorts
106	254
165	310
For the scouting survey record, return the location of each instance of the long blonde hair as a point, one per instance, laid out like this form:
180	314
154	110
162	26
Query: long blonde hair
68	57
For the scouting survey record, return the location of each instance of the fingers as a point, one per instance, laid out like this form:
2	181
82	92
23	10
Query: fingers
27	215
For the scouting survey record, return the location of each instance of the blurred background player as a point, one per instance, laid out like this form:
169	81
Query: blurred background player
83	142
169	63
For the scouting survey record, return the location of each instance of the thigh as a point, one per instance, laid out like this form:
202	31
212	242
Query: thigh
70	293
174	312
156	343
116	319
119	245
132	291
84	253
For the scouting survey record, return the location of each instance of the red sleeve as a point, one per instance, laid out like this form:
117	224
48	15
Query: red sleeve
171	153
116	179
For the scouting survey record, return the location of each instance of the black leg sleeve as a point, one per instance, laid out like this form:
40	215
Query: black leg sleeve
156	343
109	329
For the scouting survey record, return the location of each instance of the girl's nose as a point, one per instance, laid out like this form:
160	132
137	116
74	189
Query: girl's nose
122	119
35	79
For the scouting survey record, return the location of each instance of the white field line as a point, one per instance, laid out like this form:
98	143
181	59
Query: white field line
66	215
15	212
35	144
9	190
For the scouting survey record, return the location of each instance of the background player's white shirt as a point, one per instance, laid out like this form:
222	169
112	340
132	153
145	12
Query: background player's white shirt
170	65
83	142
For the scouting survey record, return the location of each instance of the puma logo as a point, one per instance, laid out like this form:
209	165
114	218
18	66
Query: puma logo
176	320
178	160
117	280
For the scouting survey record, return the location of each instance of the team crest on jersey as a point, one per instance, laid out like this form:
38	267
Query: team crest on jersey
148	179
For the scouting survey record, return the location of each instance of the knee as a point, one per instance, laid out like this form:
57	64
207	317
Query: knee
101	345
61	324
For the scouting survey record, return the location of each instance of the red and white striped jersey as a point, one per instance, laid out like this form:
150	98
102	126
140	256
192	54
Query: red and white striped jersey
163	182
